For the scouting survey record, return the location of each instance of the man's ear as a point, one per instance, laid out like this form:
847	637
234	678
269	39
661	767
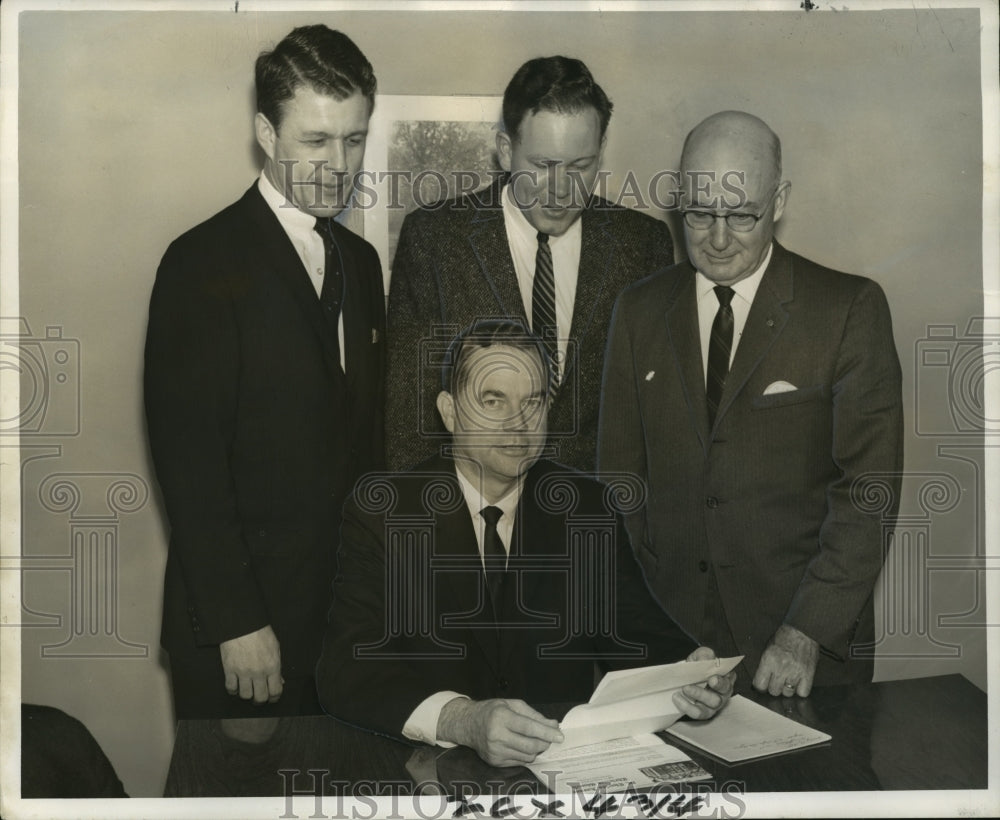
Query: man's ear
446	407
780	199
504	149
266	134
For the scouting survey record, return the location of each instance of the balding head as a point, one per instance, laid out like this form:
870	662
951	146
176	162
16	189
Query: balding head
746	139
731	164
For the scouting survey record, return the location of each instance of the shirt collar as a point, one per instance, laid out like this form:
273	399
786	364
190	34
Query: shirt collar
293	220
475	500
746	288
517	222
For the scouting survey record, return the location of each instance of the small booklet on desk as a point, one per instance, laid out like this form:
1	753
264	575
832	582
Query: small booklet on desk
745	730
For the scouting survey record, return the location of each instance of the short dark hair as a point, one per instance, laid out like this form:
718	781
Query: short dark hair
315	56
560	84
486	333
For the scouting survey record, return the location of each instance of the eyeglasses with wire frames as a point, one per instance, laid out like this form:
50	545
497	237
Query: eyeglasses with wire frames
739	221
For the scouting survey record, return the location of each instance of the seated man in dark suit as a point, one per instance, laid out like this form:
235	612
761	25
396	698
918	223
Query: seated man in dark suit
487	579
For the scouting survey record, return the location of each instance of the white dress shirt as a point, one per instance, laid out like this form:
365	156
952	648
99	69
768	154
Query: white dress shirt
422	722
522	238
708	306
301	230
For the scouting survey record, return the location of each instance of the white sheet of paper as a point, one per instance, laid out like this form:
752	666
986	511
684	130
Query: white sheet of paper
744	730
617	765
634	701
630	683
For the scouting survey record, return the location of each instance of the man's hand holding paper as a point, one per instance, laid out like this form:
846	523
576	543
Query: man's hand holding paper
702	701
649	699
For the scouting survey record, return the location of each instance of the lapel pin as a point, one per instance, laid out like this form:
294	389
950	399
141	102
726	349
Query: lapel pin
649	375
770	322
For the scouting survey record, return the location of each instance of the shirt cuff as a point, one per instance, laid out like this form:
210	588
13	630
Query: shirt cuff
422	723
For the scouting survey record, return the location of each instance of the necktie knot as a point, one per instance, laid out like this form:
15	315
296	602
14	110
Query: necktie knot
491	515
543	238
324	227
724	294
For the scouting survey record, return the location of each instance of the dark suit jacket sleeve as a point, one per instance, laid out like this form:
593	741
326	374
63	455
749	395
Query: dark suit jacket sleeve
191	378
377	693
621	447
868	451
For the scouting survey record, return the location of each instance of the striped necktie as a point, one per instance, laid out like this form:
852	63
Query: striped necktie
543	301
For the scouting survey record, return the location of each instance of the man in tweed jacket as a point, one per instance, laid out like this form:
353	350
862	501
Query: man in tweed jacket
475	257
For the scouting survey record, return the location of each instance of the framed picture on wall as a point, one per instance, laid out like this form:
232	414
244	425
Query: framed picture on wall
420	151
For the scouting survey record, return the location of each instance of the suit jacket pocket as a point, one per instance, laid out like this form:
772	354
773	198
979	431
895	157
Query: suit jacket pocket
803	394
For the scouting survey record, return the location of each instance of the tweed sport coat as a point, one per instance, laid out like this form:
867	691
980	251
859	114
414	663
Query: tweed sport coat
453	265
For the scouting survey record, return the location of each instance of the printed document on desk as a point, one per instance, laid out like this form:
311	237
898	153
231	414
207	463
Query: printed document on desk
617	766
745	730
634	701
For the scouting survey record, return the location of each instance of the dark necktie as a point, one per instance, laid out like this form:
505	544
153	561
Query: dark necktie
719	347
543	300
494	554
332	293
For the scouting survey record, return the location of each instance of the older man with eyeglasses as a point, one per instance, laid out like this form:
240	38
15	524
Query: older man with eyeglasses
758	395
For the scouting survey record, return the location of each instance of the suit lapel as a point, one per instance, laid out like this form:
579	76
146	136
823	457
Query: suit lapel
766	320
488	238
596	247
685	341
272	245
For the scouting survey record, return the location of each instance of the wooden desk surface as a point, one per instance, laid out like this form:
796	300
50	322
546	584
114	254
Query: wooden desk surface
925	733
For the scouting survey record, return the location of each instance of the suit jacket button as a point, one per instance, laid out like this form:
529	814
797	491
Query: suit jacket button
262	533
502	684
703	566
712	502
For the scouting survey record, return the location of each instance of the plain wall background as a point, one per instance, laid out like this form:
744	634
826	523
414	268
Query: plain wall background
134	126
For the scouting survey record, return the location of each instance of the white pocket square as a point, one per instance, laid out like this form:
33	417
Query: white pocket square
779	387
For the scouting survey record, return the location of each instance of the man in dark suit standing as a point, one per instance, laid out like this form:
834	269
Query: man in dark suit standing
488	579
758	395
537	246
264	393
